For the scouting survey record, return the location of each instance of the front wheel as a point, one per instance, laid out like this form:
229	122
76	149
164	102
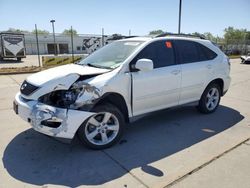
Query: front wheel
103	129
210	99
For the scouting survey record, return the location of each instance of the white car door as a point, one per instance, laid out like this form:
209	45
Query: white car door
160	87
196	68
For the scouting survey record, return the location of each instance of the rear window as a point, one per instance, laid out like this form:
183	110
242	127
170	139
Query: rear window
205	53
190	51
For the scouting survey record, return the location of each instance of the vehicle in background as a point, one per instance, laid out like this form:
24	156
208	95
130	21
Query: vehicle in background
12	45
245	58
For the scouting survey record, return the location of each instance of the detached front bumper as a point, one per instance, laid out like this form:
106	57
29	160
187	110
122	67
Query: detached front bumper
49	120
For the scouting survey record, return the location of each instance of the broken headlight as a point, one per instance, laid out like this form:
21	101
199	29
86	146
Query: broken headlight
59	98
69	97
79	94
87	94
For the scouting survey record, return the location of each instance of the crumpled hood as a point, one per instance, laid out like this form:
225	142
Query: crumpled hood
42	77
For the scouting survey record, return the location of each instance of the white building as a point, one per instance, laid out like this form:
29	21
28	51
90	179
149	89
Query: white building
81	43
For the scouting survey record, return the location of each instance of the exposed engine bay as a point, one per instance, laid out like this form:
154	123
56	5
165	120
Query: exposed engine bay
80	95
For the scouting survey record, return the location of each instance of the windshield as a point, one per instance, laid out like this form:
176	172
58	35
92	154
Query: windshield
111	55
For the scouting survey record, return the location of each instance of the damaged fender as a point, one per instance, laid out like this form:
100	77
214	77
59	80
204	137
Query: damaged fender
87	94
66	121
50	118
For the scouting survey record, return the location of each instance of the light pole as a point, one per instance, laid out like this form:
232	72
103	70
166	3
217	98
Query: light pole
53	27
179	27
72	44
102	37
37	45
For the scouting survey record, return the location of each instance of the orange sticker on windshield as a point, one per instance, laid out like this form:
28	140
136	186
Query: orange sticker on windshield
168	44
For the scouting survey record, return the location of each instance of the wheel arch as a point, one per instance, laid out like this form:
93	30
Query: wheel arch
117	100
218	81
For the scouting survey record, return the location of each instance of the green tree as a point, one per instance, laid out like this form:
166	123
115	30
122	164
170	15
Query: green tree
248	35
68	32
209	36
197	34
231	34
14	30
156	32
116	36
39	31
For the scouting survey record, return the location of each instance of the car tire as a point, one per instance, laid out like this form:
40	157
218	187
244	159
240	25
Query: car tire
210	99
103	129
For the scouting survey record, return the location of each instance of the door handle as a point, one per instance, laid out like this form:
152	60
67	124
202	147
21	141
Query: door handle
175	72
209	66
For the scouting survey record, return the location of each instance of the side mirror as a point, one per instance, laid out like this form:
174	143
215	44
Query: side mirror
144	65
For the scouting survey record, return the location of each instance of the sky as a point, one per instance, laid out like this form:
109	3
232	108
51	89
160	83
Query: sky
120	16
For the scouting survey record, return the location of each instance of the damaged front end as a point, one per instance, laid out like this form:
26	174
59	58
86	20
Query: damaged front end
55	111
53	118
80	96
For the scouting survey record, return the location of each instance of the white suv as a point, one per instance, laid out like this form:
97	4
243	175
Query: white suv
97	96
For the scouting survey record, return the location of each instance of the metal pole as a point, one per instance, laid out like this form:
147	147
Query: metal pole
53	27
245	41
129	32
179	27
102	37
37	45
72	47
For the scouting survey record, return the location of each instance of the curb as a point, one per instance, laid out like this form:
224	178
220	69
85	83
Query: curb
25	72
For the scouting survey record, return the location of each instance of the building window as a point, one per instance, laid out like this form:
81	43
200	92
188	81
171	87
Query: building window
78	48
63	48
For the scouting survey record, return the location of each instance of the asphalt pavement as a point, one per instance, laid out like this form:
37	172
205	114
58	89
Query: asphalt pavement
28	61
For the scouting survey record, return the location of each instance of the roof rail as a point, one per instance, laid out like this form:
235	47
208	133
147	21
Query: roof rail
127	37
180	35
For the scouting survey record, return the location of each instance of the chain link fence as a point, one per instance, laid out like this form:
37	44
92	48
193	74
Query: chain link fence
235	47
63	48
49	49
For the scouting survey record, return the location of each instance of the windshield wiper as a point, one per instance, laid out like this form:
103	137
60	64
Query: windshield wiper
97	66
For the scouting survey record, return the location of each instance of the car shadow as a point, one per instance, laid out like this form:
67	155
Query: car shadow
36	159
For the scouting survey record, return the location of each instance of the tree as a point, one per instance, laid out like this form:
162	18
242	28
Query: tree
156	32
197	34
14	30
248	35
235	34
236	40
68	32
39	31
210	36
116	36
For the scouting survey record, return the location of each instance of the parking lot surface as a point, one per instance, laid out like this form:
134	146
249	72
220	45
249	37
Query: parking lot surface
175	147
28	61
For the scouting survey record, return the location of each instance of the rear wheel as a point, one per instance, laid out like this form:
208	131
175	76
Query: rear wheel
103	129
210	99
19	58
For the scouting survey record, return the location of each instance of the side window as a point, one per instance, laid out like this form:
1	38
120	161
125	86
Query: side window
187	51
160	52
205	53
